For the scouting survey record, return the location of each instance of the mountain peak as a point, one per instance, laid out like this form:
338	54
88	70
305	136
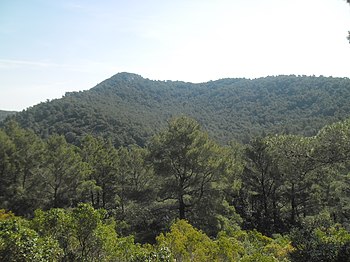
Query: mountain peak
128	108
125	76
118	80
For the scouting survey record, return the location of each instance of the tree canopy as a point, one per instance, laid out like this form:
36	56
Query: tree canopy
128	109
182	196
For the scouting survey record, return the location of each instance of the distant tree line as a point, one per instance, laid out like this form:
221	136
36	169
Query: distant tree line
4	114
128	109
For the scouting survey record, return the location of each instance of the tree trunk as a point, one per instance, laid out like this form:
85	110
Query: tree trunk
182	208
293	204
274	206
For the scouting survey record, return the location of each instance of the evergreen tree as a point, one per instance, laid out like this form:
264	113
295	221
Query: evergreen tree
189	167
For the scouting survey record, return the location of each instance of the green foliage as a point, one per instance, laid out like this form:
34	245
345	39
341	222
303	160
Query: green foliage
291	153
276	184
56	223
20	243
320	240
84	234
5	215
333	143
36	173
288	177
7	149
136	190
189	244
102	159
4	114
22	156
129	109
186	243
63	172
192	171
260	192
240	245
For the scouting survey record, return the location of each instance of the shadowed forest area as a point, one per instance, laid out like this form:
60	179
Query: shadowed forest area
181	196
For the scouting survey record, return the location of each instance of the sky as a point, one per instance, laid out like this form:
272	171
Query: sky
50	47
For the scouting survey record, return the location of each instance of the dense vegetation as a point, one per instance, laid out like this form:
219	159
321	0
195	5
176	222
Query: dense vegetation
182	196
104	175
4	114
129	109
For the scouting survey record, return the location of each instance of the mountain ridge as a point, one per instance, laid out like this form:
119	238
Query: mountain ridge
6	113
128	108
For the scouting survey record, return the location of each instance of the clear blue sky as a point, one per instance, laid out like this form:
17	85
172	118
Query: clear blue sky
49	47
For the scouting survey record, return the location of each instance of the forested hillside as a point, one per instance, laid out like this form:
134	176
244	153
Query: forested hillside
4	114
182	197
129	109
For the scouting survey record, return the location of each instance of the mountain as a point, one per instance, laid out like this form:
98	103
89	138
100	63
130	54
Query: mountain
128	108
4	114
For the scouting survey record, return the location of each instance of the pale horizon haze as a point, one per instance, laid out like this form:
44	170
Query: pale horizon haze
51	47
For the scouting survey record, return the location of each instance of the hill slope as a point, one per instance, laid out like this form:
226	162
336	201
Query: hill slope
129	109
4	114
